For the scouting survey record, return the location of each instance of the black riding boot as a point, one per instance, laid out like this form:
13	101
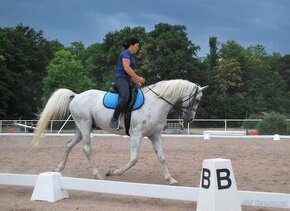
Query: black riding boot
115	124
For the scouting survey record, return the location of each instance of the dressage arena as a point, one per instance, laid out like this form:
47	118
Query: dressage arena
258	164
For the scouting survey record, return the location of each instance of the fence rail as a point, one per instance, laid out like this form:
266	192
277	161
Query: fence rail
171	126
247	198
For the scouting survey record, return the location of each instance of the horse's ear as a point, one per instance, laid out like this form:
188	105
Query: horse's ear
204	87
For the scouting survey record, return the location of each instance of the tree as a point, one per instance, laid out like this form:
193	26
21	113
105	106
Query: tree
78	50
64	71
95	65
264	87
232	49
213	52
229	76
5	92
24	56
284	70
245	81
169	54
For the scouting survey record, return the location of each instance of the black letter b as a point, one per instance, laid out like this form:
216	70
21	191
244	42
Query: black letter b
205	177
226	178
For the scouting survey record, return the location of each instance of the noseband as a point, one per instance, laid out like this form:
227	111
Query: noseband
191	100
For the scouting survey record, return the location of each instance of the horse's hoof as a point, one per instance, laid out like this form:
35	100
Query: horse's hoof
173	182
57	170
99	177
109	173
97	174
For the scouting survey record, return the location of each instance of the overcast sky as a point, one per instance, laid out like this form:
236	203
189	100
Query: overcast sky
249	22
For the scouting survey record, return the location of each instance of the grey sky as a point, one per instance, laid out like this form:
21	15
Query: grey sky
265	22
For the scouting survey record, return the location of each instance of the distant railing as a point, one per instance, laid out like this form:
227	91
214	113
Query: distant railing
171	126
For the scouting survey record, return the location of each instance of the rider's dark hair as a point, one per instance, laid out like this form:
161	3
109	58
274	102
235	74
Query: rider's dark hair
130	41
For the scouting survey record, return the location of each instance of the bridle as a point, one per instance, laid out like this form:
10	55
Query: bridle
190	98
192	101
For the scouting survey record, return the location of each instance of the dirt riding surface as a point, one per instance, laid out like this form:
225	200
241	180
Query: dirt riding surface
258	165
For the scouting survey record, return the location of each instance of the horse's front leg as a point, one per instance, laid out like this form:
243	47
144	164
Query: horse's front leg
135	144
156	141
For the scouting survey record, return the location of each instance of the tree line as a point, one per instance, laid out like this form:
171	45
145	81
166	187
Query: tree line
243	80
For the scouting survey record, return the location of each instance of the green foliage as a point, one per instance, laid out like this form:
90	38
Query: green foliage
230	106
64	71
5	92
168	54
213	52
274	123
248	75
229	75
243	80
78	50
284	69
232	49
251	124
24	56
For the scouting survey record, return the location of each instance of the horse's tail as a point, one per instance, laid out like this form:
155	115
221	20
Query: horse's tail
56	107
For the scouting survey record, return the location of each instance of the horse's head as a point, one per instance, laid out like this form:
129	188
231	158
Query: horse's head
190	104
180	90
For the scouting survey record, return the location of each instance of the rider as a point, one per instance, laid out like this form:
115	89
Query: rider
125	70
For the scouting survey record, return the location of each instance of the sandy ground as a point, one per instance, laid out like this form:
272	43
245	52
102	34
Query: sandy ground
259	165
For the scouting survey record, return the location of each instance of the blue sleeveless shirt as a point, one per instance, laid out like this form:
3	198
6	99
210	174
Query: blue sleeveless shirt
120	71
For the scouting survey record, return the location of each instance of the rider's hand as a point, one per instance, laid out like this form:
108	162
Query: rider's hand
140	81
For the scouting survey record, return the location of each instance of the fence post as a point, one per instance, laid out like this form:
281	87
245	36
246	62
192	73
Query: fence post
218	190
51	122
48	188
226	125
25	129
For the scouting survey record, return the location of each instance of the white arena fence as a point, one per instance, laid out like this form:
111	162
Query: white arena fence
51	186
172	126
205	136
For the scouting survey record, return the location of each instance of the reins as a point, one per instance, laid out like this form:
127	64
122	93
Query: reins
161	97
191	97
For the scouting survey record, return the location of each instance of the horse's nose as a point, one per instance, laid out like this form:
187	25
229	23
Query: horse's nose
188	117
191	117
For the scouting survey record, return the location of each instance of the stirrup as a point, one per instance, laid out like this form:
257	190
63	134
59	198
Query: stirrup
115	124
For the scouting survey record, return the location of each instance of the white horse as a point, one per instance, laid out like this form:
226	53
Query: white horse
87	110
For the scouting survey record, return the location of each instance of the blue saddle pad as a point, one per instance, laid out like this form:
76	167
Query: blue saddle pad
110	100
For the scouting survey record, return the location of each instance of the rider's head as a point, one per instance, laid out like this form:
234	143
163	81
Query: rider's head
132	43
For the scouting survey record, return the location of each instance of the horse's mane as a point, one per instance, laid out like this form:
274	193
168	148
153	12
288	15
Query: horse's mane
171	87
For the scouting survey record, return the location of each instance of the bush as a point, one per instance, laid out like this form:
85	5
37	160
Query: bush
274	123
251	124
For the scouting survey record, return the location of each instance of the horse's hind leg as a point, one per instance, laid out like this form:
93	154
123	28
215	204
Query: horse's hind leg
88	152
70	144
156	141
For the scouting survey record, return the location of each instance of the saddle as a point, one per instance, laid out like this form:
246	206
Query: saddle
136	100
